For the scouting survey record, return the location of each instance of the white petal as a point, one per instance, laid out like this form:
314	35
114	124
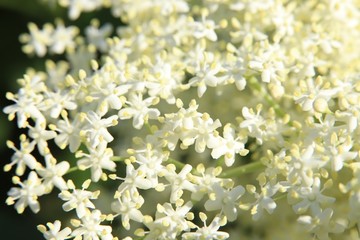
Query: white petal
265	75
136	215
30	161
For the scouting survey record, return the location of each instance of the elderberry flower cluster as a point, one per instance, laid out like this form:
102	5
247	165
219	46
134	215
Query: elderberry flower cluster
212	119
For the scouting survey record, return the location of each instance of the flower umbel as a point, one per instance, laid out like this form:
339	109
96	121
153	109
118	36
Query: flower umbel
193	119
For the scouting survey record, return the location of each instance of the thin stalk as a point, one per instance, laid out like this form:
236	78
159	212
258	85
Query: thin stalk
118	159
238	171
73	169
148	127
281	196
220	162
178	164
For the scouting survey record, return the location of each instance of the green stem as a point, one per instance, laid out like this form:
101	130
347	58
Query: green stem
73	169
148	127
118	159
281	196
178	164
238	171
220	162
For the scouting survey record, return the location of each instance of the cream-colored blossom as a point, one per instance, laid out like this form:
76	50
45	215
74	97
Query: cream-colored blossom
281	77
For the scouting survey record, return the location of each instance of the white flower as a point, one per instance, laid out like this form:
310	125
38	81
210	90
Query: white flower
172	6
127	205
41	136
97	36
33	84
189	126
150	160
204	184
226	200
246	34
312	197
235	71
79	199
96	129
303	161
22	157
139	111
179	181
135	178
205	129
55	102
313	97
269	63
264	201
78	6
98	159
324	129
180	125
68	132
37	40
196	127
108	94
206	74
54	232
321	224
173	219
339	149
53	173
208	232
254	123
91	229
63	38
157	230
25	107
228	146
205	29
164	80
27	194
